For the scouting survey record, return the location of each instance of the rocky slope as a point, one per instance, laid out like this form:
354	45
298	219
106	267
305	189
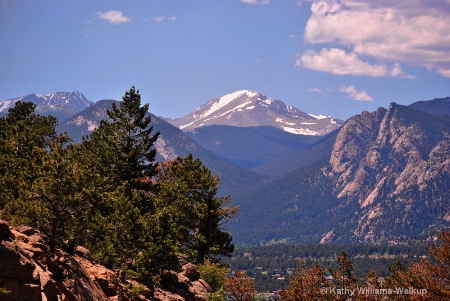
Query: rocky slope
395	164
437	106
249	108
29	272
386	179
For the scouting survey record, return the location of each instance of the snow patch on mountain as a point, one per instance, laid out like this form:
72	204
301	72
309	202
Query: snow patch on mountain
300	131
60	100
5	105
319	117
225	100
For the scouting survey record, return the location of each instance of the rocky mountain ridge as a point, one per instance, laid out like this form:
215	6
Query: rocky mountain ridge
60	104
398	159
249	108
437	106
385	180
29	272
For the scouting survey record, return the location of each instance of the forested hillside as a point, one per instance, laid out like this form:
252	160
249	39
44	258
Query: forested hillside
109	195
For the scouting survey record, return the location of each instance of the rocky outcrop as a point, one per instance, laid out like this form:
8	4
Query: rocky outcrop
29	272
186	284
395	164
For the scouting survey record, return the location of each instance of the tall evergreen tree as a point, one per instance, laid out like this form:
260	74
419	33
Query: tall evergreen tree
189	189
124	144
24	141
129	230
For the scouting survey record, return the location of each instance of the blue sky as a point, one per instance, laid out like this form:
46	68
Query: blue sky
336	57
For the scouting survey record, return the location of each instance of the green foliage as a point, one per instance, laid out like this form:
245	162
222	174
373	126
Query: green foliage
187	189
41	184
109	195
215	274
135	290
124	145
24	138
263	263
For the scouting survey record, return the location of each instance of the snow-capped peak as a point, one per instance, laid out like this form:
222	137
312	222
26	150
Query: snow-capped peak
59	104
225	100
249	108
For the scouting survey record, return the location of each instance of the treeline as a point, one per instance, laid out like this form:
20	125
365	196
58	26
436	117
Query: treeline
272	266
108	193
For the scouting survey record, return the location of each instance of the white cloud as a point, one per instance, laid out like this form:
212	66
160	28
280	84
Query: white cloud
158	19
262	2
392	32
337	61
315	90
164	18
114	17
354	94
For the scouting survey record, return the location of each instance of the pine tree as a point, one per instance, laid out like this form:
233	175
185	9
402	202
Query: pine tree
24	140
124	144
131	234
188	190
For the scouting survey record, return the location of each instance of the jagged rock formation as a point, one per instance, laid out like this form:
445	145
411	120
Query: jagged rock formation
386	180
393	161
60	104
29	272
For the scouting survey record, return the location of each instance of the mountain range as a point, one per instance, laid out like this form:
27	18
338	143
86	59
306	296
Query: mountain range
385	180
171	143
60	104
381	177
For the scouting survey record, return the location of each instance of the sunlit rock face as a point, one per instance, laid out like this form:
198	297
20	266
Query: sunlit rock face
396	164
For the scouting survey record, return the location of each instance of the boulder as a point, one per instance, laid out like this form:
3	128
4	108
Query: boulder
190	271
30	272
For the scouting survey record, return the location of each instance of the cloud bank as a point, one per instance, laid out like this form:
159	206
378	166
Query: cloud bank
374	37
